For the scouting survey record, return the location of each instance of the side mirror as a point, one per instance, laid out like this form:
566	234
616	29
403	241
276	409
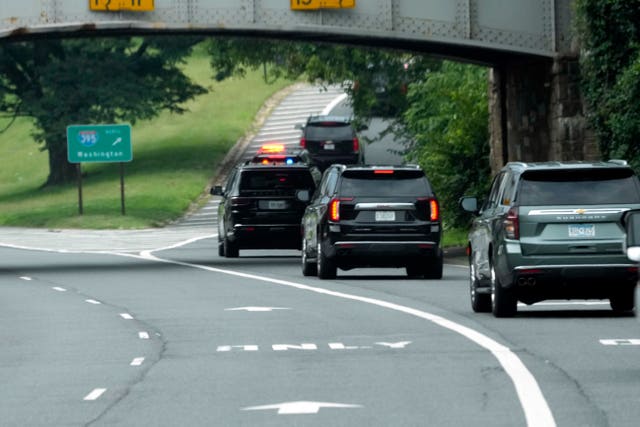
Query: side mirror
469	204
217	191
631	221
303	195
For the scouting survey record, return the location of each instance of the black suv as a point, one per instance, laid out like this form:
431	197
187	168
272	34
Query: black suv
331	140
552	231
262	205
372	216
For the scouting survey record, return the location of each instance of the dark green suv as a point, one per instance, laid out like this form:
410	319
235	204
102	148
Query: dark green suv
552	231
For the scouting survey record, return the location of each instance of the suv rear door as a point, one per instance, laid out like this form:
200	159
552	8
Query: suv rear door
574	211
329	137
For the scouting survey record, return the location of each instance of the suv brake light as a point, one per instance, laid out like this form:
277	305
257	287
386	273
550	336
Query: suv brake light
512	224
356	145
240	201
434	210
303	143
334	208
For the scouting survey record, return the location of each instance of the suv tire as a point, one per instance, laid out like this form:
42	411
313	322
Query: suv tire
308	268
624	299
503	301
480	303
326	266
230	249
220	248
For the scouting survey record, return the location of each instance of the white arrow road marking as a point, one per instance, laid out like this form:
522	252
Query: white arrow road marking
256	309
621	341
298	408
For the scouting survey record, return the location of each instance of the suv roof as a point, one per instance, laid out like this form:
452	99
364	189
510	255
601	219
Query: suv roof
566	165
318	118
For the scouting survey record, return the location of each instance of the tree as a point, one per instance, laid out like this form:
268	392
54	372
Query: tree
91	81
609	32
448	119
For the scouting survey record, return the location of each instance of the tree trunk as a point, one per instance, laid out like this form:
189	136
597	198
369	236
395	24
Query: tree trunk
60	170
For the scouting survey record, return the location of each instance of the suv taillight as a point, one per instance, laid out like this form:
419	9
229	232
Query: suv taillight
334	210
356	145
303	143
512	224
434	210
240	201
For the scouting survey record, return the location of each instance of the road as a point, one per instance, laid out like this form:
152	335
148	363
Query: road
152	328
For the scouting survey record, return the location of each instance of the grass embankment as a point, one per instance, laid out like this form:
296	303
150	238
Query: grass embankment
174	157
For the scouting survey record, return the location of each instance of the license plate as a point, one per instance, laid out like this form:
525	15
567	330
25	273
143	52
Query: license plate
273	204
385	216
582	230
328	146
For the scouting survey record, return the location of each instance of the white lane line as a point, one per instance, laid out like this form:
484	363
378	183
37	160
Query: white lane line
27	278
59	289
126	316
137	361
92	301
534	405
96	393
337	100
143	335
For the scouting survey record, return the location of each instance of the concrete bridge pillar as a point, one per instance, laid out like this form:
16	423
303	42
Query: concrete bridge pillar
537	113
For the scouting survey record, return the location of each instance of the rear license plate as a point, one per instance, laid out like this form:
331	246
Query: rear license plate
329	146
582	230
385	216
273	204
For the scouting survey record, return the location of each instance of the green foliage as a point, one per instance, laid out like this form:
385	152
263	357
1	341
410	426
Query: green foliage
87	81
448	117
610	62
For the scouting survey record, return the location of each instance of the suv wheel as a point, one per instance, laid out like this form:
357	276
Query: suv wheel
230	249
624	299
220	247
326	267
308	268
480	303
503	301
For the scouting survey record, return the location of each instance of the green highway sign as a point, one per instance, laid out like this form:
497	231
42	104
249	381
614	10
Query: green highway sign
99	143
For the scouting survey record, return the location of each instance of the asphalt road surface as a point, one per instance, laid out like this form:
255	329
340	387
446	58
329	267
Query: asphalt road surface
152	328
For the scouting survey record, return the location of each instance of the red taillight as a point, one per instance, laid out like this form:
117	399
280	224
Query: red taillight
334	210
356	145
434	210
303	143
512	224
383	172
240	201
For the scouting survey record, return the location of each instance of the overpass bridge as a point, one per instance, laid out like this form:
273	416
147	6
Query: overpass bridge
535	107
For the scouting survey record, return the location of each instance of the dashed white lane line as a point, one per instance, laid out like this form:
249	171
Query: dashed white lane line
92	301
27	278
137	361
143	335
126	316
59	289
95	394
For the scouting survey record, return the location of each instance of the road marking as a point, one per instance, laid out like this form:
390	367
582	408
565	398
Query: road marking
137	361
401	344
224	348
534	405
621	341
258	309
27	278
126	316
143	335
285	347
300	408
59	289
312	346
337	100
96	393
92	301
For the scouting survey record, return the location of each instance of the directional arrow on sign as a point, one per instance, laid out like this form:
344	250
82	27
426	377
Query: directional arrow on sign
256	308
299	408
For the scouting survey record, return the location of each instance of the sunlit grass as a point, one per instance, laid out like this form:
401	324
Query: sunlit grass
174	158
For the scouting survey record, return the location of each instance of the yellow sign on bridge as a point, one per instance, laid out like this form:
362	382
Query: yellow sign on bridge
322	4
121	5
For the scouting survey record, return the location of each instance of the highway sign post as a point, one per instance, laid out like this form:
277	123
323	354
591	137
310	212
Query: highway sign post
99	144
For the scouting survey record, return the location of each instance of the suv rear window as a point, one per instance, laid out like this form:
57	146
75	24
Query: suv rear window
399	183
328	130
274	180
578	187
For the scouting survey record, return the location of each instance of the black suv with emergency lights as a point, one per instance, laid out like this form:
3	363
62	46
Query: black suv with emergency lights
552	230
372	216
331	140
263	201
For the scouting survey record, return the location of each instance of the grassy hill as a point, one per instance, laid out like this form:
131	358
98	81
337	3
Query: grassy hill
174	157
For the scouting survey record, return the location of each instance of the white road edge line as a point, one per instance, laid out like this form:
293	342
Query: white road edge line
535	407
96	393
126	316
